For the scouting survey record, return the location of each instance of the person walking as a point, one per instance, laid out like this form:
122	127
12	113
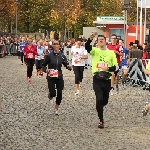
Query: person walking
54	60
104	62
29	52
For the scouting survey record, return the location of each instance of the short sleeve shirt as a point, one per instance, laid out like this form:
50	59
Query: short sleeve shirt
78	52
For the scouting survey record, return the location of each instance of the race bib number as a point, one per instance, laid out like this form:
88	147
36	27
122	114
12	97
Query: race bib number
30	55
101	65
53	73
122	57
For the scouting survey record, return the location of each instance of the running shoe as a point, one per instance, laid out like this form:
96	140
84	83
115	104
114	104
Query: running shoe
77	92
50	98
145	110
112	91
117	90
101	125
28	79
56	112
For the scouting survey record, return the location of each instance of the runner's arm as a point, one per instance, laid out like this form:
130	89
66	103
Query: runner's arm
88	47
65	62
119	53
45	63
114	66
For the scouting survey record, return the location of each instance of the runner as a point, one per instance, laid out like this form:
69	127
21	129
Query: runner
40	58
124	63
22	44
78	62
54	61
118	50
104	62
147	105
29	51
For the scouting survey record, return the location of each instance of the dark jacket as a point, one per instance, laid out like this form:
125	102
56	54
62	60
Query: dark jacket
136	53
55	61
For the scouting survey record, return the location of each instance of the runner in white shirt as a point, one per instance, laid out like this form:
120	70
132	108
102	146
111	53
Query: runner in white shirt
78	62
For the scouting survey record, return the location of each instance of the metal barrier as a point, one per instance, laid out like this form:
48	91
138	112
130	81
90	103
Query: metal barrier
7	49
13	49
136	75
10	49
136	70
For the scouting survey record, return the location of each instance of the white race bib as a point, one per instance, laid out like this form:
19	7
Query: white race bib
100	65
30	55
53	73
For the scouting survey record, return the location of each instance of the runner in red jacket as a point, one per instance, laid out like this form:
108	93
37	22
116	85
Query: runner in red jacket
119	52
30	51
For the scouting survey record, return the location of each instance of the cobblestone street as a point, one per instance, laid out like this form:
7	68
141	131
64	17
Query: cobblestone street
27	120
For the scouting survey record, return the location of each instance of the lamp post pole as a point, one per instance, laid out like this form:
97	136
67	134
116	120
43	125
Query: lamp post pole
124	28
16	17
126	5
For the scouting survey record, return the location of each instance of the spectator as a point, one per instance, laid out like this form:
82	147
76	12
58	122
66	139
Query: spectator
135	52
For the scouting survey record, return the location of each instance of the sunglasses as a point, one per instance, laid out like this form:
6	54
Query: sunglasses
55	44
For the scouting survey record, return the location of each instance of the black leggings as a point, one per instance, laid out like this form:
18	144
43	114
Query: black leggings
38	63
29	63
22	56
59	86
101	89
78	71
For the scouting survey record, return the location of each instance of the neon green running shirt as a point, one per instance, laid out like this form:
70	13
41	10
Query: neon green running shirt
148	68
102	57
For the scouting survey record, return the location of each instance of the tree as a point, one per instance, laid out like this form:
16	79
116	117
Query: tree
34	15
7	13
67	12
132	12
61	15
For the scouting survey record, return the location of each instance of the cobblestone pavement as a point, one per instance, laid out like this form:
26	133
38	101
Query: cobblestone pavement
27	120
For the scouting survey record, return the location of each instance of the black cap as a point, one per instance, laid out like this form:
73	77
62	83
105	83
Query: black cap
136	42
131	43
80	39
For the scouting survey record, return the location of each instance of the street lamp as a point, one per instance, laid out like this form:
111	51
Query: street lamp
17	1
125	7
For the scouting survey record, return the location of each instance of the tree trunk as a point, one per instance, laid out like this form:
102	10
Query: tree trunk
9	25
63	29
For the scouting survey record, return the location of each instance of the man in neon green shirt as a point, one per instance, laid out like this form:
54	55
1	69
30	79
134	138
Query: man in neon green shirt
147	105
104	62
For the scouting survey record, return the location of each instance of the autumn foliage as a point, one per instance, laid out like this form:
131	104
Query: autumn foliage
58	15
